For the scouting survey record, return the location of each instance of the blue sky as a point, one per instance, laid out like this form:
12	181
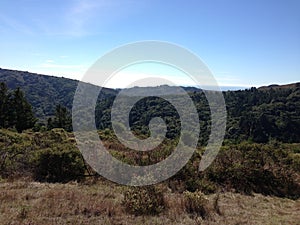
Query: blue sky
244	43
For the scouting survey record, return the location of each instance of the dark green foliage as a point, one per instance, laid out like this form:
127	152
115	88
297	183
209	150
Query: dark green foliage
258	115
147	200
62	119
58	159
262	115
46	156
4	106
150	107
22	112
248	168
270	169
15	111
44	93
60	164
15	154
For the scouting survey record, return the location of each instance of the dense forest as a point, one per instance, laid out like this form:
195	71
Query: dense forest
256	114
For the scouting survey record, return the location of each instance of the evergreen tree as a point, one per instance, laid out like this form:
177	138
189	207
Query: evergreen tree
3	104
62	119
23	116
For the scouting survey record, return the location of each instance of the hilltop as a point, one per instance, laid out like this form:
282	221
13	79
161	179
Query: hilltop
42	91
284	86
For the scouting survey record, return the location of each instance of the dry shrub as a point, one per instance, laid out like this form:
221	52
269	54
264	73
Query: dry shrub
196	204
144	200
176	206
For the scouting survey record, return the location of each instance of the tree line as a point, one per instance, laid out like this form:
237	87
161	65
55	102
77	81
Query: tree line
16	112
252	114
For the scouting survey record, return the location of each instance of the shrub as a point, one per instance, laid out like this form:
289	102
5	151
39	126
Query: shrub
248	168
147	200
60	164
196	203
15	153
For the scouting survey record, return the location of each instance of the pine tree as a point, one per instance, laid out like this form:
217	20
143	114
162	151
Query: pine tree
62	119
23	116
3	104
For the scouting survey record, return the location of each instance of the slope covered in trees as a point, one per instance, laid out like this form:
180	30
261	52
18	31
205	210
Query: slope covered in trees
256	115
43	92
259	115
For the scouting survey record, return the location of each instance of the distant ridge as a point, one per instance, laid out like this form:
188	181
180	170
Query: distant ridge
44	92
276	86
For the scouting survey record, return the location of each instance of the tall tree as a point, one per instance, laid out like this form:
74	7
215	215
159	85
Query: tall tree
62	119
23	116
3	104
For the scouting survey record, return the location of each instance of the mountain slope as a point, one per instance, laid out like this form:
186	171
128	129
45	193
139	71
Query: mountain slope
43	92
260	115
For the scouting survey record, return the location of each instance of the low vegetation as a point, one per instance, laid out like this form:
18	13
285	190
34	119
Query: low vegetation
147	200
52	156
101	202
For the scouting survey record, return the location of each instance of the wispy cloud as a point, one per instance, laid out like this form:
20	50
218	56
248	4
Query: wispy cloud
83	17
9	22
78	16
73	18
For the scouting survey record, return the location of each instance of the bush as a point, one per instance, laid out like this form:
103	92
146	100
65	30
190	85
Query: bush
60	164
15	154
147	200
259	168
196	203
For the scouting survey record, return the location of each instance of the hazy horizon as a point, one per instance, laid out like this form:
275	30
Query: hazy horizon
222	87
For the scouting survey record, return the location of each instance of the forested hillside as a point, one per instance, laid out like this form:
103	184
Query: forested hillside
259	115
44	93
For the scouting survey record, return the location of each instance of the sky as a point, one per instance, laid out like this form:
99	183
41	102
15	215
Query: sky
244	43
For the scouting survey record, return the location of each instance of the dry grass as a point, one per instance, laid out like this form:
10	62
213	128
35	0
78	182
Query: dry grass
35	203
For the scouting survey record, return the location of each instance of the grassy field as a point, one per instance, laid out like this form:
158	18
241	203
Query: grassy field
100	202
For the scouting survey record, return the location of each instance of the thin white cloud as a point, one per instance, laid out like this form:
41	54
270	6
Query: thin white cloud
73	18
12	23
82	13
85	17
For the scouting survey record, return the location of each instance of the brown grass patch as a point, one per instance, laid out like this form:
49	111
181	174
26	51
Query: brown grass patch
100	203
